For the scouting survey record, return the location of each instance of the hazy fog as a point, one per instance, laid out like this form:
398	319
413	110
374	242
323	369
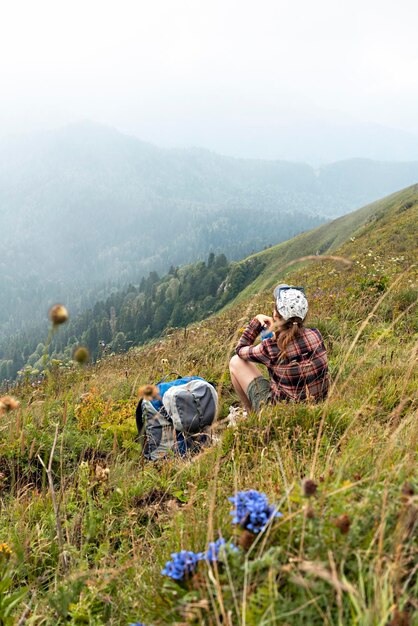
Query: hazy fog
271	78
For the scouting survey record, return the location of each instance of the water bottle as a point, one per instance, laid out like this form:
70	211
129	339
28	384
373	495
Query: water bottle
266	333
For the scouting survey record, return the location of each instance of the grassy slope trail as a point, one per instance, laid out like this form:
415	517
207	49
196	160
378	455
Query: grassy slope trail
121	518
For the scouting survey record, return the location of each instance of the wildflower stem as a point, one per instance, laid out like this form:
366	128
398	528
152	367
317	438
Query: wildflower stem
54	500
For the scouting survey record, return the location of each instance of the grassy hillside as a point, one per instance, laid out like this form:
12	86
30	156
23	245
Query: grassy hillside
88	545
328	238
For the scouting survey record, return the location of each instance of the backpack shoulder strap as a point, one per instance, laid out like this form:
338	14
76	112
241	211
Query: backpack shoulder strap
164	378
139	417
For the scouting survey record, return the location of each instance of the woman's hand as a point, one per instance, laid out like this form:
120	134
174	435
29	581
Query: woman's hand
265	320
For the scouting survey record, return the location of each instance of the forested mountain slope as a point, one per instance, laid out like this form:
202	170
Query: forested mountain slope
130	316
89	545
136	314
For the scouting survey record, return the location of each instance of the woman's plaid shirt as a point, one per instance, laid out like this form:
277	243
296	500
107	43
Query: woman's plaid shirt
303	375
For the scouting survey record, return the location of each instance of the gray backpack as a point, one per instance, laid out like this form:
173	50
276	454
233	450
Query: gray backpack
191	406
179	421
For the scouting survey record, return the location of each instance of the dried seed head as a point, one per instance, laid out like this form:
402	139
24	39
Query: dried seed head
102	473
148	392
407	489
309	487
310	513
357	476
400	618
343	523
8	403
81	355
58	314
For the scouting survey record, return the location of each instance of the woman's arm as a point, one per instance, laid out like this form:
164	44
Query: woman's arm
245	348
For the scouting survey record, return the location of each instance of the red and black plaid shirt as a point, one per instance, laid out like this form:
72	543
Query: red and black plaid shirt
302	375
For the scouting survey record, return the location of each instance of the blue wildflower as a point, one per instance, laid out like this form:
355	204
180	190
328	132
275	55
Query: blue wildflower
137	624
183	564
253	511
216	547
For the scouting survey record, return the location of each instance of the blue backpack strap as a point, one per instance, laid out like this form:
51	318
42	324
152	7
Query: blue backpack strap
181	443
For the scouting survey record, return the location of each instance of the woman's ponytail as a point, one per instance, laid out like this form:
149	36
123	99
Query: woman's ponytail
287	331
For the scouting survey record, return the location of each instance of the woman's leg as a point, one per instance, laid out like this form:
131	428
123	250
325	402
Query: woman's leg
242	374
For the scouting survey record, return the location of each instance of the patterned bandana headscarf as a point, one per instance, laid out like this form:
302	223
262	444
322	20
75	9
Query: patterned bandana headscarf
291	303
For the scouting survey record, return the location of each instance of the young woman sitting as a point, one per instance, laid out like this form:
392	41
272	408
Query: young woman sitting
295	356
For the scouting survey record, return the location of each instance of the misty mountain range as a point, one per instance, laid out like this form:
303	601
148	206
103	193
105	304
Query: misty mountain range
86	206
306	134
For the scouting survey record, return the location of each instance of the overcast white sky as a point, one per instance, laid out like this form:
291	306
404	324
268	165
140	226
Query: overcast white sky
157	67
